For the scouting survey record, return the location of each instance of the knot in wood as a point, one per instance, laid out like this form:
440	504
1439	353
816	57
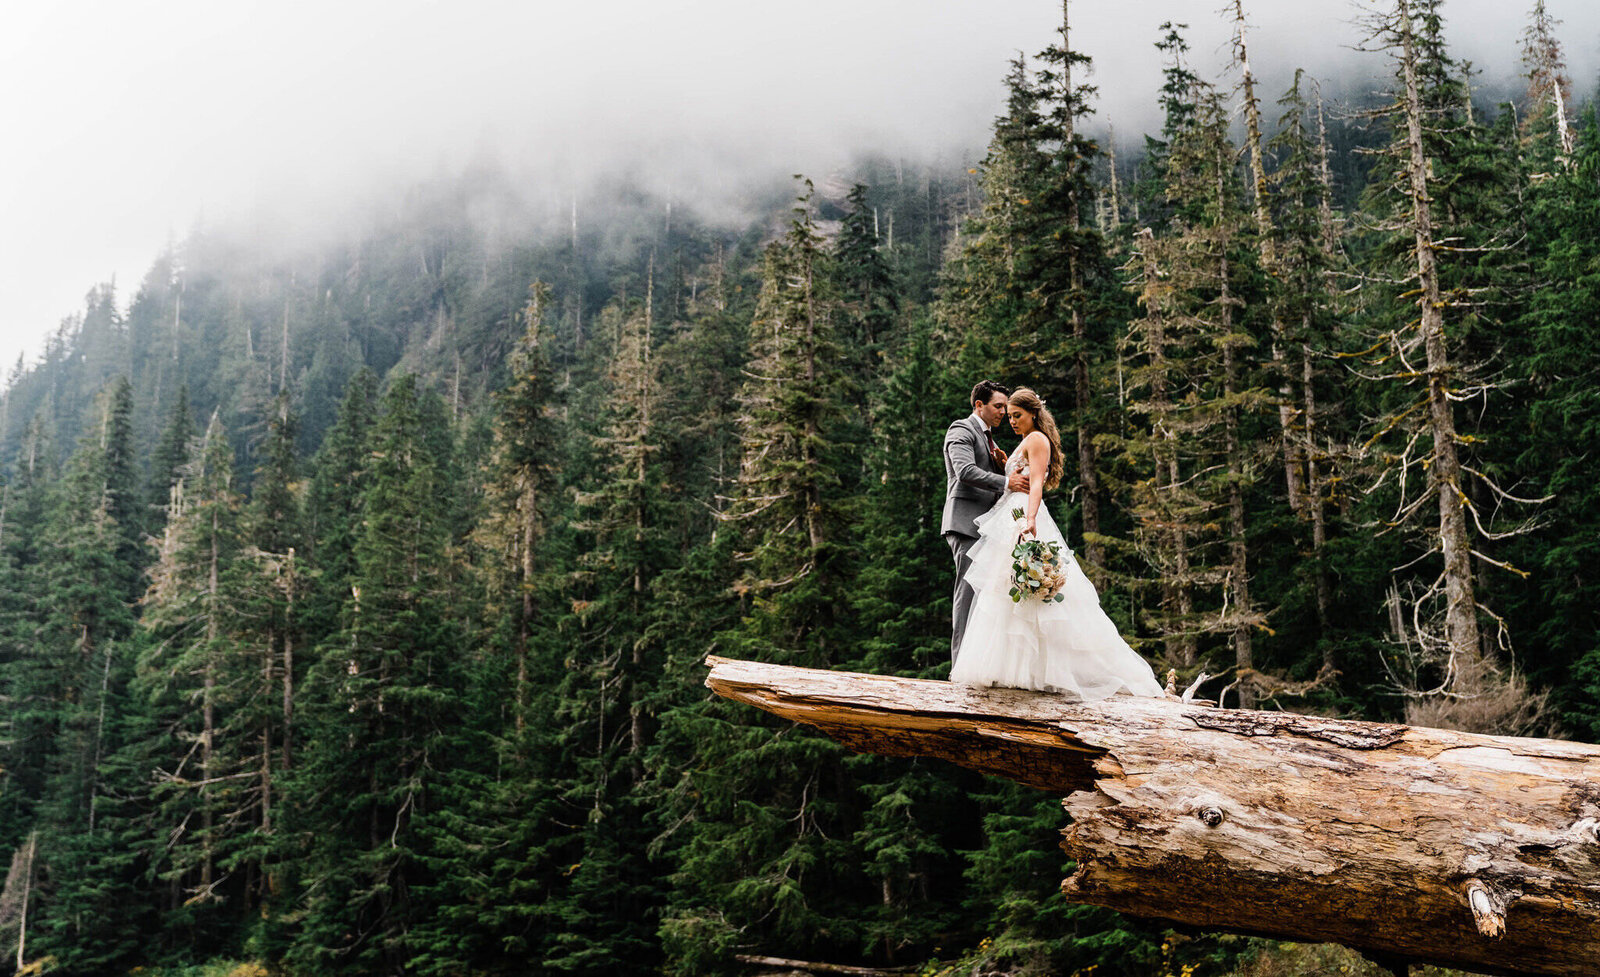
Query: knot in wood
1488	910
1209	816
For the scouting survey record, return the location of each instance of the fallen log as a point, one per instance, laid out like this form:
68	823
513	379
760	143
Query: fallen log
813	967
1409	844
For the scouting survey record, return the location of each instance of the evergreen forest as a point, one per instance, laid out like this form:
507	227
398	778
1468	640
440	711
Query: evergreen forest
354	597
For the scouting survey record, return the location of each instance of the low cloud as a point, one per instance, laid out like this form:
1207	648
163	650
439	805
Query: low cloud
139	120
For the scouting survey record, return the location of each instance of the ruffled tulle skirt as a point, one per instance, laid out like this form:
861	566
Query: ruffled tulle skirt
1068	646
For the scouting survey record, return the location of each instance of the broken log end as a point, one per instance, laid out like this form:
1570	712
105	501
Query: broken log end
1379	836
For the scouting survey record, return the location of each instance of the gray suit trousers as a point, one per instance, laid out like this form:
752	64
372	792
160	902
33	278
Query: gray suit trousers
961	600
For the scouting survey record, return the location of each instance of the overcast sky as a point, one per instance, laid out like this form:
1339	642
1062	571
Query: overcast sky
127	121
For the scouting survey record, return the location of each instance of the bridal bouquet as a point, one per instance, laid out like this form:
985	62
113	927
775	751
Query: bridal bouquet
1038	569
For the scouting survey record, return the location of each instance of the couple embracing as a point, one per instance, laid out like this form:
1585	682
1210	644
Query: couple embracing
1003	634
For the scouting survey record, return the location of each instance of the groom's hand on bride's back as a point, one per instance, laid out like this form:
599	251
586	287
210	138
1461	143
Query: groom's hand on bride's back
1018	482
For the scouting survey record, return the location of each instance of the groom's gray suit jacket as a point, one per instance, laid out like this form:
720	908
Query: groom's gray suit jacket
972	480
972	484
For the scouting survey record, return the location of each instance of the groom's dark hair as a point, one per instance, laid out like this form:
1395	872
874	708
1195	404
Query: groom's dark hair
985	391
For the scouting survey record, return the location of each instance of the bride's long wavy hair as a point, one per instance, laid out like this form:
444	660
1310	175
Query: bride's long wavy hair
1031	402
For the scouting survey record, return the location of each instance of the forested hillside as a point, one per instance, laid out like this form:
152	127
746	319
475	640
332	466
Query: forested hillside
353	596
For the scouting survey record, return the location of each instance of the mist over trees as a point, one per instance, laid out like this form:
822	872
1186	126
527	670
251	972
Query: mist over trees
353	597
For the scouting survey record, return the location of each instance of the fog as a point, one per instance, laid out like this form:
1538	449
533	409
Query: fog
127	124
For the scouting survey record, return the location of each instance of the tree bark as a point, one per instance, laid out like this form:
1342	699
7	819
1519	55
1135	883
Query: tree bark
1088	476
1461	613
1314	484
1238	551
1175	587
1111	154
208	709
288	661
1410	844
1292	460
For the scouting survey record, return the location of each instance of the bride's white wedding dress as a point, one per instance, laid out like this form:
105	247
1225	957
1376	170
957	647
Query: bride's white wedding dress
1066	646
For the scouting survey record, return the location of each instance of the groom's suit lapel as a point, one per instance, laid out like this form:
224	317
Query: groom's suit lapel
983	442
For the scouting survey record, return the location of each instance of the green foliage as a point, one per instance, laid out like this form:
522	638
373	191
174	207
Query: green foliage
1562	369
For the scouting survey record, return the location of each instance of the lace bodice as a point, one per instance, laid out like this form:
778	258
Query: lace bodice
1018	462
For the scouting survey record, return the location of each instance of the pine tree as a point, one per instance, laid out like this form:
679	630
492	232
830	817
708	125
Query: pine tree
909	851
1077	249
269	631
187	672
333	503
70	681
498	860
1436	145
869	295
1012	891
29	722
1193	380
609	694
384	695
1560	601
746	862
786	499
1179	83
1283	373
167	460
520	489
987	290
1545	120
1304	296
1032	293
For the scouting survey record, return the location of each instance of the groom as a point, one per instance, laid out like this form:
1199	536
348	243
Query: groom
974	471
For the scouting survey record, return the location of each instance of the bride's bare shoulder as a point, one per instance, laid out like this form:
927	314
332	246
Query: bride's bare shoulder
1032	438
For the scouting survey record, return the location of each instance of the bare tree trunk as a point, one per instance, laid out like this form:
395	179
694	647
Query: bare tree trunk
99	737
283	351
813	493
1319	522
269	653
208	709
1088	477
1541	55
527	508
1330	233
1461	620
1238	552
646	394
1166	480
1562	131
455	387
288	663
27	891
1111	155
1318	504
1292	457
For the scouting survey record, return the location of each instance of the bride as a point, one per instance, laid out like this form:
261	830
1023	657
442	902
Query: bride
1067	646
